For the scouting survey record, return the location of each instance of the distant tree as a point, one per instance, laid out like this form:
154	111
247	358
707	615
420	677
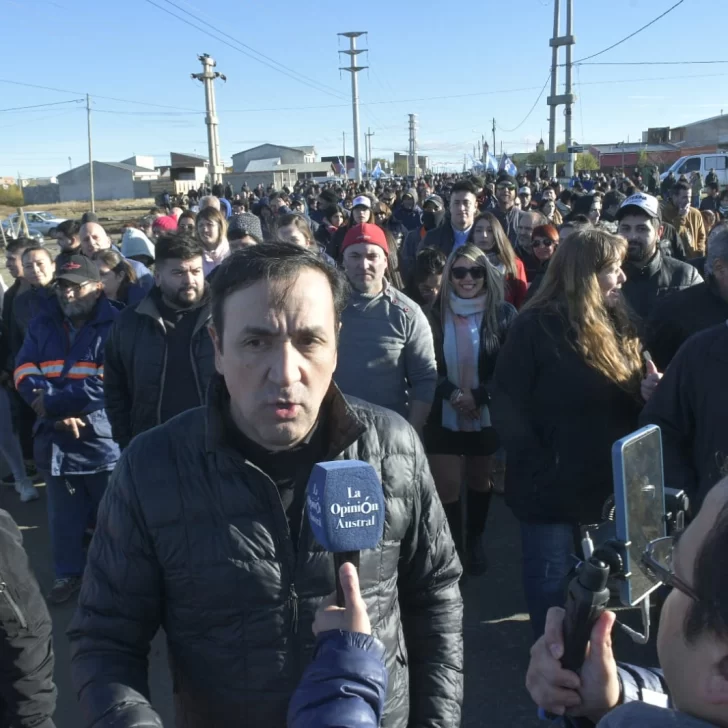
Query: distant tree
586	161
11	195
536	159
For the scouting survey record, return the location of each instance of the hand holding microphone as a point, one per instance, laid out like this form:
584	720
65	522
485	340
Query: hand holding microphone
353	617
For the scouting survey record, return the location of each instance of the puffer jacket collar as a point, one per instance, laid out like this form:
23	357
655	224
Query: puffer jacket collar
344	428
148	307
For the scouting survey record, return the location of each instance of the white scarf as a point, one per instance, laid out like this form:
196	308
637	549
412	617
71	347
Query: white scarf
472	308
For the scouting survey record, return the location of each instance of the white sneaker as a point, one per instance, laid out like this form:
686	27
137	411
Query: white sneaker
28	492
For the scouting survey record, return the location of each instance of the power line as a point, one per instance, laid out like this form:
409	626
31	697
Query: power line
649	63
303	80
631	35
543	88
40	106
42	118
253	50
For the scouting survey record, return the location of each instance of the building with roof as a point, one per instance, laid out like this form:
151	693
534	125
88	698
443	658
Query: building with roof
274	171
287	155
112	181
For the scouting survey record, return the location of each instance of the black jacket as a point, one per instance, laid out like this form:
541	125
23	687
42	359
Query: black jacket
678	317
192	537
489	349
135	366
557	418
27	692
661	277
442	238
691	407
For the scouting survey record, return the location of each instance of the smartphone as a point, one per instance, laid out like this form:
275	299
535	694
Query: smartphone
639	499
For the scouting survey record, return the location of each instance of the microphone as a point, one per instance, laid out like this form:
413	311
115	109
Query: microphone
345	505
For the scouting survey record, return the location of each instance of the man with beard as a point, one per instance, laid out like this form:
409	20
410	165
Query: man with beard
650	275
59	373
159	357
686	220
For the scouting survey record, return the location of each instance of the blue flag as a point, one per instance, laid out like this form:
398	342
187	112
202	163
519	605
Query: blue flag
507	166
377	171
340	169
490	164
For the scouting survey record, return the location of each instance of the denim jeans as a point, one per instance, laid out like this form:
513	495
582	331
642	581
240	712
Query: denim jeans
72	504
548	551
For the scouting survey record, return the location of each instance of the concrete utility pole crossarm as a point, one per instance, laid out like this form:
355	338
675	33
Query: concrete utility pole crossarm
567	99
213	140
353	52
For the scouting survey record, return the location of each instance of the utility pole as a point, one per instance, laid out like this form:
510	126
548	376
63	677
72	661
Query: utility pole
353	52
70	166
90	154
568	98
412	154
213	140
346	166
494	146
370	165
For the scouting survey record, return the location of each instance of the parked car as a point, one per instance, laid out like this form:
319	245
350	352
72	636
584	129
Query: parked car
703	163
40	222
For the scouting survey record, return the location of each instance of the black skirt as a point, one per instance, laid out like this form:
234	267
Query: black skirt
441	441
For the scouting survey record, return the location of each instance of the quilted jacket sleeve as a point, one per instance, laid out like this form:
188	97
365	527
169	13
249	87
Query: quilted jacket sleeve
344	686
432	607
116	387
119	611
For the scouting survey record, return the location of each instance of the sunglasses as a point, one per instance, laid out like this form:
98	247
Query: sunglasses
477	273
545	243
511	188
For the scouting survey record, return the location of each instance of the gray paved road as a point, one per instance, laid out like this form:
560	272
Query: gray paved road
497	633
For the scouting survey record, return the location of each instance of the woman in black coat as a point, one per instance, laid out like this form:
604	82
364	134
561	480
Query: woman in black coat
567	384
469	321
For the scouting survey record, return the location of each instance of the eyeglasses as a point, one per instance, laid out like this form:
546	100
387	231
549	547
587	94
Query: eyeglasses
545	243
658	558
64	285
510	188
477	273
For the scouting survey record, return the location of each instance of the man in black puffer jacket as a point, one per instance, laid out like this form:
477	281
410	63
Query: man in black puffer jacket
203	530
27	692
159	357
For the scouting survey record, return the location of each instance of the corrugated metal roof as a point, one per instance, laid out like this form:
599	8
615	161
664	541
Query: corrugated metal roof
263	165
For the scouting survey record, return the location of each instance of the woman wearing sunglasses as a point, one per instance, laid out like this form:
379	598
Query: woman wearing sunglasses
543	246
568	384
488	235
469	322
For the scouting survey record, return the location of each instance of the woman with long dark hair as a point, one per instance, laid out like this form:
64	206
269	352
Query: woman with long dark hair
568	383
469	321
487	234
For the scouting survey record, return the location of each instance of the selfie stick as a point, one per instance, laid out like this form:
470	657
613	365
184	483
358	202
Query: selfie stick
587	598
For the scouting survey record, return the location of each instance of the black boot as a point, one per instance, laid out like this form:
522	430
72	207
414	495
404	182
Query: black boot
476	561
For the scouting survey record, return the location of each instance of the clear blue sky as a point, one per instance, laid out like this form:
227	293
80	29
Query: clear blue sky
491	59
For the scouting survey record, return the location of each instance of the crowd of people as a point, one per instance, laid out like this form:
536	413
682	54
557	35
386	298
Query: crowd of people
469	337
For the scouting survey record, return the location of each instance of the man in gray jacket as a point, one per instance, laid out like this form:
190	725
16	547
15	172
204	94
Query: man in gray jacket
203	529
386	353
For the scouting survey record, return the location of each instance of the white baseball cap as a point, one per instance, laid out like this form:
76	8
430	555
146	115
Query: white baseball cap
646	203
524	191
362	201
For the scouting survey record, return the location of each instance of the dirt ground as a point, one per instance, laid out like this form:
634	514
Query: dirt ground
112	213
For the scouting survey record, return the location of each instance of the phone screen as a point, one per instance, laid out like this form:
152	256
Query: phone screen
639	493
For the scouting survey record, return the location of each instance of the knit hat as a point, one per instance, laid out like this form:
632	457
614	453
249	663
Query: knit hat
89	217
165	224
245	223
365	233
135	242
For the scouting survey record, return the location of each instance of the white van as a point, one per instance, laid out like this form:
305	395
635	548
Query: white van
702	163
